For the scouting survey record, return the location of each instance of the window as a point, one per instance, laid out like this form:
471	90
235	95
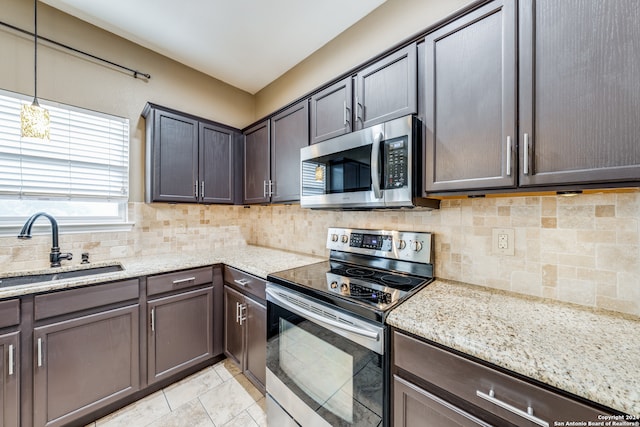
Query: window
80	176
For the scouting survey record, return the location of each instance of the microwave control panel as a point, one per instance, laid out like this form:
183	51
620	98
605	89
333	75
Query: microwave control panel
395	163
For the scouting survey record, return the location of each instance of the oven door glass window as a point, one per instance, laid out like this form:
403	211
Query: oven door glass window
339	380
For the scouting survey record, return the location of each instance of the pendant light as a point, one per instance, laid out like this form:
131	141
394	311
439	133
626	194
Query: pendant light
34	119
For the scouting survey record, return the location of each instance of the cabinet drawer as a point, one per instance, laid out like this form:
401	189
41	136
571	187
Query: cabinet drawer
55	304
474	383
9	313
246	282
179	280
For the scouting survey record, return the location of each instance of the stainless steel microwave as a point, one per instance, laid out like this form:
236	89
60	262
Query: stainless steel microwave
376	167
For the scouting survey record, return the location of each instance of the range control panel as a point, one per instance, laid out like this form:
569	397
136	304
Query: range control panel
400	245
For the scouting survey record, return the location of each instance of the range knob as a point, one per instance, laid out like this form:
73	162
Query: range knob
344	238
416	246
334	237
401	244
334	284
344	287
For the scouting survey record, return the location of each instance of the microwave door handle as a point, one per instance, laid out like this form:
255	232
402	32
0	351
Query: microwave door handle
375	165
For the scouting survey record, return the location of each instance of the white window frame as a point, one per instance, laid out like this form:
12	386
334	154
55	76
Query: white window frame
10	225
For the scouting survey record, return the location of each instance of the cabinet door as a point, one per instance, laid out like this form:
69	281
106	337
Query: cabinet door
579	91
180	332
413	406
331	111
470	101
387	89
289	133
175	158
256	164
84	364
233	330
9	380
216	164
256	348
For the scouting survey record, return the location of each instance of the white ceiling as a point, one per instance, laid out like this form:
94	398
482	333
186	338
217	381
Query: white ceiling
245	43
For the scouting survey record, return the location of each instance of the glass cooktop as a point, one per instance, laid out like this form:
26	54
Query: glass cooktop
354	287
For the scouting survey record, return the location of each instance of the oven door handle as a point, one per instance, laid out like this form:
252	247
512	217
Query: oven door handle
323	320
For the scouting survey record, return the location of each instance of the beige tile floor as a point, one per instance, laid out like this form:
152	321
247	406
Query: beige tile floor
216	396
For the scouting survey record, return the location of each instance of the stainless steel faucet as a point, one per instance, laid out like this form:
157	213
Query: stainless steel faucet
55	256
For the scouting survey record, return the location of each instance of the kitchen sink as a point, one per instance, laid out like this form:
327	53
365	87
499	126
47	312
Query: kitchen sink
49	277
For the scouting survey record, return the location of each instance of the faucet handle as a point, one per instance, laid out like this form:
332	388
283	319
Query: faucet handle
55	256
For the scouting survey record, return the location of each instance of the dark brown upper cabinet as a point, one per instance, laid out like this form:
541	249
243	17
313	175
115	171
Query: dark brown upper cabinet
331	111
470	101
387	89
272	156
220	172
384	90
289	133
579	91
544	97
256	164
189	159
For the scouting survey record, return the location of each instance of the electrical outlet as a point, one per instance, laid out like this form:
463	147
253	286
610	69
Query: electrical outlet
503	241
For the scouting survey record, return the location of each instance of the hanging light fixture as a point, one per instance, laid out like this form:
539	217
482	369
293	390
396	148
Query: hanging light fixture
34	119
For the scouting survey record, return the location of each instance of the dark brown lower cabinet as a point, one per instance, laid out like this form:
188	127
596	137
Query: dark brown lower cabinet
180	332
414	406
84	363
10	380
256	341
436	387
233	329
246	334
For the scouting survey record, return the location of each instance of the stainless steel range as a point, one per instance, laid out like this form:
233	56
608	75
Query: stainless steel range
327	362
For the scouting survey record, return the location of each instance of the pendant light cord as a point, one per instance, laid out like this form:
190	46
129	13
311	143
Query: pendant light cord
35	56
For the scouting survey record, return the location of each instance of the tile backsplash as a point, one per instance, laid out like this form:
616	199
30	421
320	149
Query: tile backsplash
583	249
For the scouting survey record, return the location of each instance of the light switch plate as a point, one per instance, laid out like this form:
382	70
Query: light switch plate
503	241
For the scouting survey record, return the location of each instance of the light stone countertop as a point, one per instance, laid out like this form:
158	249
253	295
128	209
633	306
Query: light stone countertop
591	353
259	261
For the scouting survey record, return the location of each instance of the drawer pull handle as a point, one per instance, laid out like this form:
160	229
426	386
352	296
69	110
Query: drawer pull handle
508	156
242	282
243	315
180	281
528	415
11	349
525	162
39	352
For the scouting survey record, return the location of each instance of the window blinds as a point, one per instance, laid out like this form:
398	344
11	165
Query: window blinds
87	157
